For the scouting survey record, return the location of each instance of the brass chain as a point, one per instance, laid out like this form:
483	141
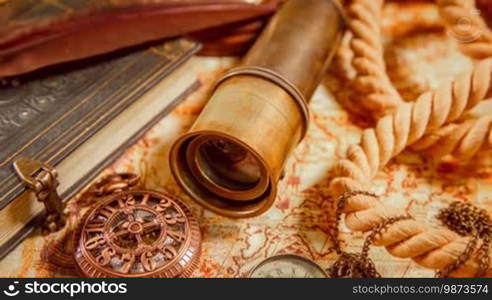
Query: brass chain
114	183
357	265
463	218
339	211
459	261
483	254
468	220
108	186
379	229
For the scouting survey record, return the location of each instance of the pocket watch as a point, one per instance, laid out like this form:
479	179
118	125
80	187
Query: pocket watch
136	233
288	266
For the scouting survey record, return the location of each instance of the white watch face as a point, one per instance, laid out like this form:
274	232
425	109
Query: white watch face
288	266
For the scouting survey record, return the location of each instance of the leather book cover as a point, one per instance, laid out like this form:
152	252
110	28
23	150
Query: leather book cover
46	115
39	33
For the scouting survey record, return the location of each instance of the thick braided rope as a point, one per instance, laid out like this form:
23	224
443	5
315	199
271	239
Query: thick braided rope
431	247
465	24
372	81
461	140
371	78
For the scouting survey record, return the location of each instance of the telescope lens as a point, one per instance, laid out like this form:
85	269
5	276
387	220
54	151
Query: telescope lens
229	164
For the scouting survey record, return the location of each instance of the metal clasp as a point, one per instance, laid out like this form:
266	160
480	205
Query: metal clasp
42	180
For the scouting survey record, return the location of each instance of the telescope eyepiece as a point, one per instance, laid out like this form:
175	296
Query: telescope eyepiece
228	164
234	155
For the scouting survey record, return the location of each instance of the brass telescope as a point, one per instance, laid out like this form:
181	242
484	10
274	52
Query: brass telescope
233	156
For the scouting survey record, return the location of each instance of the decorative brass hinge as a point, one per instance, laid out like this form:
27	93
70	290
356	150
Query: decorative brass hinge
42	180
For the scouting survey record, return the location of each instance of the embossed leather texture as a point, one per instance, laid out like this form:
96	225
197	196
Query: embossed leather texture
34	33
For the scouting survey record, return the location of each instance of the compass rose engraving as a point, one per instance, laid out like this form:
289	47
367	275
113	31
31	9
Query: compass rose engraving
138	234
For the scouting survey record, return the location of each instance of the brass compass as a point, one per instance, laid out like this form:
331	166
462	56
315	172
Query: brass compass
133	233
288	266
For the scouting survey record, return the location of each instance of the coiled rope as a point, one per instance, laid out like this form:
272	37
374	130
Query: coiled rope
431	123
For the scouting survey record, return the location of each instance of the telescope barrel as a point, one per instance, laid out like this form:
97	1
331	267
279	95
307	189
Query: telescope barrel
233	156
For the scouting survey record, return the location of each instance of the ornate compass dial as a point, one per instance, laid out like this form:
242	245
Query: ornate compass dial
138	234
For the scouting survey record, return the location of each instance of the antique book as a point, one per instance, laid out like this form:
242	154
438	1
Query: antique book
78	118
39	33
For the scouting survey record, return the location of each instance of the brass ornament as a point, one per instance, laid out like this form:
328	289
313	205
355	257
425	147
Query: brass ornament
136	233
42	180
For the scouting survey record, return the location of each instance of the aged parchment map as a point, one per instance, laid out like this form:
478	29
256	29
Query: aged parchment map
419	56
